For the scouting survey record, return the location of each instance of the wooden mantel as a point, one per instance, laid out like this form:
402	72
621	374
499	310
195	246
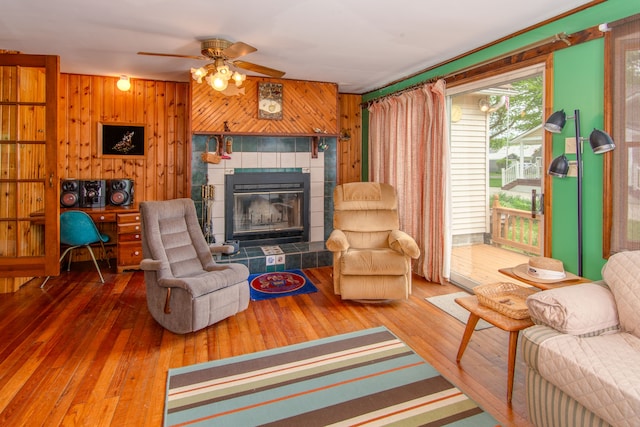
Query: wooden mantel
306	106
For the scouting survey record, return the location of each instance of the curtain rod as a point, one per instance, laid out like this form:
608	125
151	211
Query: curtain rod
400	91
563	37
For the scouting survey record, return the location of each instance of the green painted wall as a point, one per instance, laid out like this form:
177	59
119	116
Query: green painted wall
578	84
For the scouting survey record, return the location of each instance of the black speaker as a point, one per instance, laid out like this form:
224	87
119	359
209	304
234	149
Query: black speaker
120	192
69	193
92	193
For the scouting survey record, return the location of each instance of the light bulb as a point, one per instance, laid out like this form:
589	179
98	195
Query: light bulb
124	84
198	74
224	71
239	78
219	82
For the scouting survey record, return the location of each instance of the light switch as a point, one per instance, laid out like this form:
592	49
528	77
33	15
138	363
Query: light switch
570	145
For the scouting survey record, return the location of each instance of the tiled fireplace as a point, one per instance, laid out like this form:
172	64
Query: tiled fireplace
271	155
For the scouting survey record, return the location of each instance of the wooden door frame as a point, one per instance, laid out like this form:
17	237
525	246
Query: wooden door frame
48	264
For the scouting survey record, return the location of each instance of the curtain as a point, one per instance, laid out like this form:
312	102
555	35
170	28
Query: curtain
409	149
625	88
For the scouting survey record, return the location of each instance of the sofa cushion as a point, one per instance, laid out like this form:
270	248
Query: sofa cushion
622	275
585	310
602	373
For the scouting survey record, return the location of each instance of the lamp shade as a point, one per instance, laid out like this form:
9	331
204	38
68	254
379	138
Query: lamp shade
559	166
601	142
556	122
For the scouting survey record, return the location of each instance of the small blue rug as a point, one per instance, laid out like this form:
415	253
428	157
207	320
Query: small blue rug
279	284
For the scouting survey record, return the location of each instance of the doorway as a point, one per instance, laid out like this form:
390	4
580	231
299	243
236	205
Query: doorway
497	175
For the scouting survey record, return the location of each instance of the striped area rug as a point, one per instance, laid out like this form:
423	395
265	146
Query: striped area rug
368	377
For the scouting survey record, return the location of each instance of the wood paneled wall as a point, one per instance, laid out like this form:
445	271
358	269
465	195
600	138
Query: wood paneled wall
350	139
162	107
306	105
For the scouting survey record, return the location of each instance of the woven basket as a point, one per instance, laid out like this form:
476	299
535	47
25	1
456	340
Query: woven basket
210	158
505	298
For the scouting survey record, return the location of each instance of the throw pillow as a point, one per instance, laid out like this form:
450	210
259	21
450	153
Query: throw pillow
622	275
584	310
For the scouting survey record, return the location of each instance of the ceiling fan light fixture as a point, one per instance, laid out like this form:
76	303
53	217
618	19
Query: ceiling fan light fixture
217	81
198	74
223	55
221	67
239	78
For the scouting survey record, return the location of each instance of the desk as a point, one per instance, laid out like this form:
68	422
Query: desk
544	286
127	236
513	326
122	224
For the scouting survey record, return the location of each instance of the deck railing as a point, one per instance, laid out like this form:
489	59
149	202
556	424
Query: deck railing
513	173
516	228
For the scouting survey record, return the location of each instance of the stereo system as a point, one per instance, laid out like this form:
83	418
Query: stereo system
120	192
77	193
69	193
92	193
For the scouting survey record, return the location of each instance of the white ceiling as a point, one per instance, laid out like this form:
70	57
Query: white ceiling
360	44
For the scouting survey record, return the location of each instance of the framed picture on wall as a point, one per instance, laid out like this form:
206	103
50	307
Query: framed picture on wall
270	101
121	140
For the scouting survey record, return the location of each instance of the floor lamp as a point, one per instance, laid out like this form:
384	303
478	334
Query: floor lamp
600	143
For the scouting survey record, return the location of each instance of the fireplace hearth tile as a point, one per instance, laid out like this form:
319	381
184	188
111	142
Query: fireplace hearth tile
297	256
253	251
289	248
271	250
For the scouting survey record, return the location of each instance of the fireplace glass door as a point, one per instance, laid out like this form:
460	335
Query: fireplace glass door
267	208
267	212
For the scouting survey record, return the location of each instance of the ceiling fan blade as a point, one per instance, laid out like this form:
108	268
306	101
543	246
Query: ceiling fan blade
259	69
172	55
238	49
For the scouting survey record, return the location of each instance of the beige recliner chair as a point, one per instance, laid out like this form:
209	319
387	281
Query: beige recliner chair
371	256
186	289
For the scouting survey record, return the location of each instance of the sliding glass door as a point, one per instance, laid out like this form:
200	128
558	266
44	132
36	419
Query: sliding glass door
497	175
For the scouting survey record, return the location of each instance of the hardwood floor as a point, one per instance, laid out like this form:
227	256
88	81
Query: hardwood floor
84	353
478	264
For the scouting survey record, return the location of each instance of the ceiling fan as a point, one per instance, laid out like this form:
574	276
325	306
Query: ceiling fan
223	54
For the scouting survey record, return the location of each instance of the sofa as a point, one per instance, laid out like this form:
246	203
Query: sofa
582	356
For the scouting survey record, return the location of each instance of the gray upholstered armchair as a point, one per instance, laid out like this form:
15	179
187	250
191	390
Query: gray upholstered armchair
186	289
371	256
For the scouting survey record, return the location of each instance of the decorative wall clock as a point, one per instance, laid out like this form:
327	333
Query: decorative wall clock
270	101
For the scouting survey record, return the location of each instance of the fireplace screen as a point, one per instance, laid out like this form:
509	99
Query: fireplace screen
267	211
267	208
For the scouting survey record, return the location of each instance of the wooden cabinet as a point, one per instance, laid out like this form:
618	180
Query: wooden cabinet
122	225
129	250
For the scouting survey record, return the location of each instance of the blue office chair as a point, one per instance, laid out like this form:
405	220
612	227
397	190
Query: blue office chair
78	229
